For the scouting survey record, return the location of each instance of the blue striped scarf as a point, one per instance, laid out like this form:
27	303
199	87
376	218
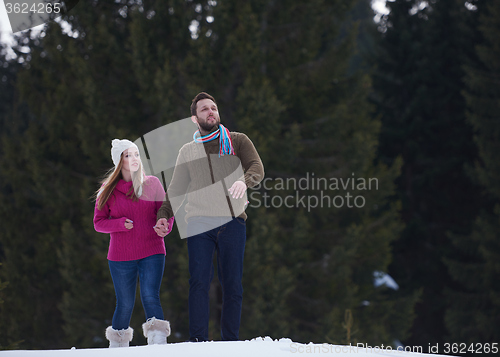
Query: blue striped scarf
225	142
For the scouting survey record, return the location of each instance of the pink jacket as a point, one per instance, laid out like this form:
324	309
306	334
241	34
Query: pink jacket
141	241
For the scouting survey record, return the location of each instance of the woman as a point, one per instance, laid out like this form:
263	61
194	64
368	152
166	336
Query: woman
126	207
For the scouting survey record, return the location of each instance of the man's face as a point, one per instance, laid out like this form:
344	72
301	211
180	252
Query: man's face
207	114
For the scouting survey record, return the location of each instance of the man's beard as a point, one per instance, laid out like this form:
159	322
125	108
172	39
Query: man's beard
208	127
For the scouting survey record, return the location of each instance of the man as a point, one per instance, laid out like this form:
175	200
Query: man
214	172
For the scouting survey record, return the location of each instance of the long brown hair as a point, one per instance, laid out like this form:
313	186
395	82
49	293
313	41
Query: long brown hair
110	180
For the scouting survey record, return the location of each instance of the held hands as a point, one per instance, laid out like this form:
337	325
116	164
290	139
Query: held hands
129	224
238	189
163	226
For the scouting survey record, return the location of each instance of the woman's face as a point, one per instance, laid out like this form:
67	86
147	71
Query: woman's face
131	159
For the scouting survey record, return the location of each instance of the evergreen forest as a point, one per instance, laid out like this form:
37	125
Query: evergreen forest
399	113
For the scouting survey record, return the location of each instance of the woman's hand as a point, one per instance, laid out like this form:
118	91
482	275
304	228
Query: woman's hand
129	224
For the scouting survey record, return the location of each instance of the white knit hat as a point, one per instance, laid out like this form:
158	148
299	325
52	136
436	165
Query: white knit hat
118	146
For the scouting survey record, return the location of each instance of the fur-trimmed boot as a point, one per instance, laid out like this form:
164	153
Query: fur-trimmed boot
119	338
156	331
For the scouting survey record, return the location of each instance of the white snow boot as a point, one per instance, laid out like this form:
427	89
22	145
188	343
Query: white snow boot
156	331
119	338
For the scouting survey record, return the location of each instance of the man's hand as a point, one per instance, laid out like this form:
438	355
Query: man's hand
238	189
161	227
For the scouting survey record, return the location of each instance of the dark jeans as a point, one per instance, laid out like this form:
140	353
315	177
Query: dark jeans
228	240
124	275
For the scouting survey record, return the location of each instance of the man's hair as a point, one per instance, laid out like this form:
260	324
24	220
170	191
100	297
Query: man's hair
199	97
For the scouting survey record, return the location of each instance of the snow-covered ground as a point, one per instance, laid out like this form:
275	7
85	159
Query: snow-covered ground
258	347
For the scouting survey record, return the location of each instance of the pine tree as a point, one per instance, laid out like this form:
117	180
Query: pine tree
7	78
283	70
282	73
474	311
52	189
418	86
97	82
340	141
28	251
2	286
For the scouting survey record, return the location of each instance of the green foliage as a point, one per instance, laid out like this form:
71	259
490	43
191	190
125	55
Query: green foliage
418	86
268	281
2	286
475	305
282	72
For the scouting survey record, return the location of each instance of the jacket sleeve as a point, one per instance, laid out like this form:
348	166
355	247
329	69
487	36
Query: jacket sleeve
102	222
250	161
160	197
170	224
159	193
178	187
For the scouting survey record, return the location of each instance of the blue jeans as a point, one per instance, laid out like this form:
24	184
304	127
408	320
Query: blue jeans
228	240
124	275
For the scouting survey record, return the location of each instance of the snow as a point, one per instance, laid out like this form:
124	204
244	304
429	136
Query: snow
381	278
258	347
